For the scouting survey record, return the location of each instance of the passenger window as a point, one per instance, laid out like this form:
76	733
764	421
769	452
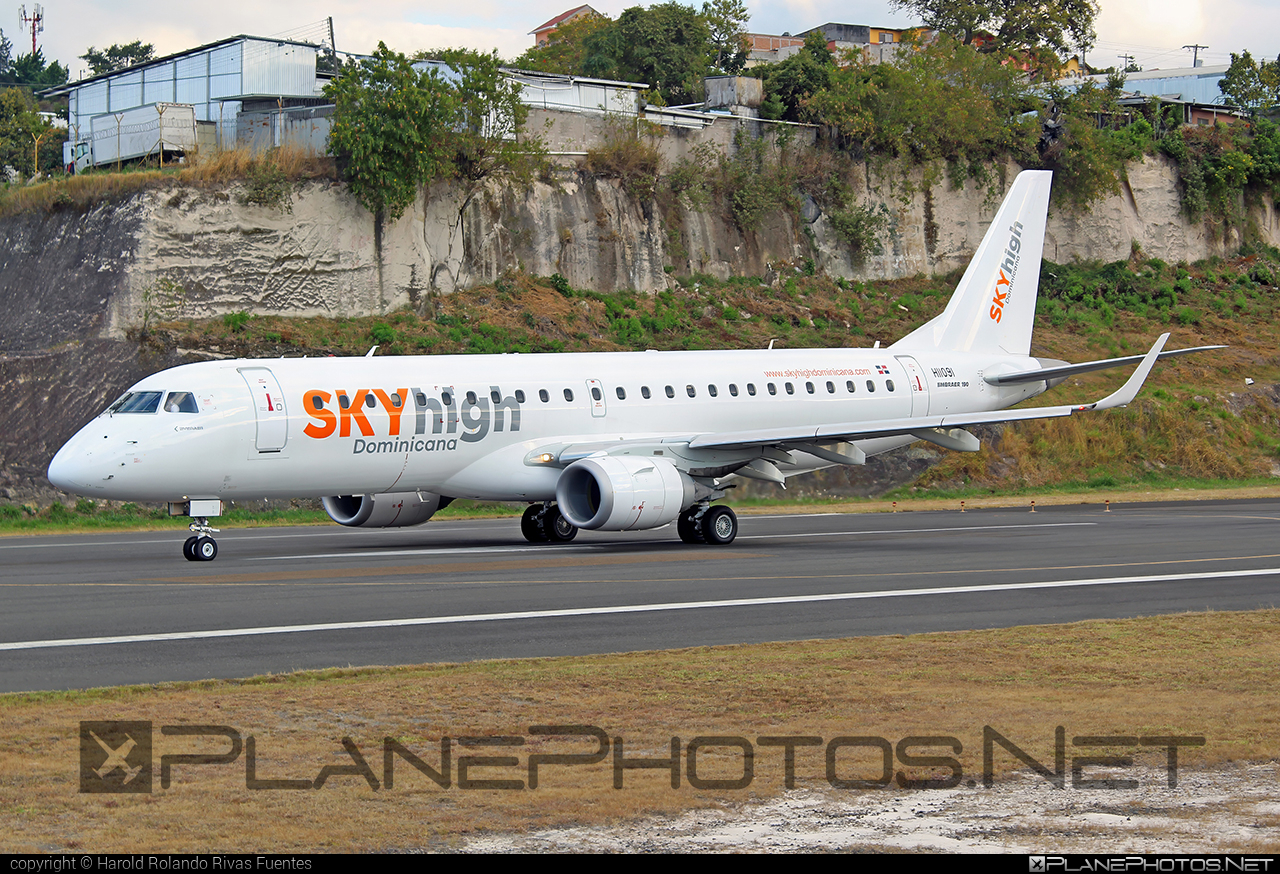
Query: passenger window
711	390
871	386
888	383
849	385
447	398
751	389
808	386
543	396
184	402
344	401
773	389
791	389
691	391
831	387
519	396
471	397
595	393
622	393
733	389
671	392
644	392
495	396
370	401
568	395
419	398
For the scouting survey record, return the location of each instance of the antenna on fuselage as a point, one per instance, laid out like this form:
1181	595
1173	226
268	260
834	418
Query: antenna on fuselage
372	349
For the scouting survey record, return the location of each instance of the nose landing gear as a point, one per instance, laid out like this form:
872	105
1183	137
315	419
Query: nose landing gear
200	546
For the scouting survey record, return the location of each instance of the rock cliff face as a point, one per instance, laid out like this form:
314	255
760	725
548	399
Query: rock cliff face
73	284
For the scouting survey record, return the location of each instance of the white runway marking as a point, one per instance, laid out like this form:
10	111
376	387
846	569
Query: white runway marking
629	608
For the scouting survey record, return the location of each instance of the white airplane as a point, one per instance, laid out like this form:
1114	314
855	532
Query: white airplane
604	441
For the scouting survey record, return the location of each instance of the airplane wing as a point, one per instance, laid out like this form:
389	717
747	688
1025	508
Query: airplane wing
1066	370
893	427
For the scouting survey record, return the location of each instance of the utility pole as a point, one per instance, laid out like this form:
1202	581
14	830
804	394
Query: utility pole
1128	62
1195	53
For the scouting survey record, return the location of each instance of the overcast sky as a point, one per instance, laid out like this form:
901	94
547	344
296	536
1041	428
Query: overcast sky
1152	30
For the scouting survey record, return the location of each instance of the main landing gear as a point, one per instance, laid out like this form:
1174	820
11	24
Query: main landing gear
542	523
200	546
706	524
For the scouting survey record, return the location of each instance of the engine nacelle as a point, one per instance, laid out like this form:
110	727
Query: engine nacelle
623	492
391	510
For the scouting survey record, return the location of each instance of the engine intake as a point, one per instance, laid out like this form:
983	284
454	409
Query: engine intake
390	510
623	492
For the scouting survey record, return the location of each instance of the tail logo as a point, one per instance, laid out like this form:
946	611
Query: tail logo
1011	258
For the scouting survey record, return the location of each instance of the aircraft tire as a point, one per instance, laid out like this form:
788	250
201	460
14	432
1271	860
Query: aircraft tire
531	527
556	527
205	549
688	529
189	548
719	526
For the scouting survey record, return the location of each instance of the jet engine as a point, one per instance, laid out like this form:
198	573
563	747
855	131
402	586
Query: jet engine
623	492
391	510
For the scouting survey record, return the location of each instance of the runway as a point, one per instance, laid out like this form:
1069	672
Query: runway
91	610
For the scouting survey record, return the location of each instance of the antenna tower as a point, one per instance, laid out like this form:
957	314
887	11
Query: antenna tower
35	20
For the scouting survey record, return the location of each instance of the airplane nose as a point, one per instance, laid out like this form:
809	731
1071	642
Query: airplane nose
66	470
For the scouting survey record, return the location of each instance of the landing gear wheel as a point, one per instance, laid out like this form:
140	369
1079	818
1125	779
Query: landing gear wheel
189	548
687	527
206	549
531	525
719	526
556	527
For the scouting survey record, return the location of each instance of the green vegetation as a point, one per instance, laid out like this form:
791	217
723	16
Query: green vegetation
400	124
90	516
670	46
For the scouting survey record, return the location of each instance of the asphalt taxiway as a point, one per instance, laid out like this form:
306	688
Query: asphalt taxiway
92	610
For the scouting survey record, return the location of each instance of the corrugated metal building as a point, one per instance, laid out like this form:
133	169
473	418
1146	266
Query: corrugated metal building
219	80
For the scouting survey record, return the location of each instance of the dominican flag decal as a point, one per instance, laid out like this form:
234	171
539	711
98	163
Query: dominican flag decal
880	368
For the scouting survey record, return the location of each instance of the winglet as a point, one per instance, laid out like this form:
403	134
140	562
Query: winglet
1129	390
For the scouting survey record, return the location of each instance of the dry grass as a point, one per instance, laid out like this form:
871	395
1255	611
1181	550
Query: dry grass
201	170
1202	674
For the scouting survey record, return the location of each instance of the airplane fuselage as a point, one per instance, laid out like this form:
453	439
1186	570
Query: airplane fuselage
463	425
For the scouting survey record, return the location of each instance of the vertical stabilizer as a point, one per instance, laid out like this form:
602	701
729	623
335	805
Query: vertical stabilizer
995	303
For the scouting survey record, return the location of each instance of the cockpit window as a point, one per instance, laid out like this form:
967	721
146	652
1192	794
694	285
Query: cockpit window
180	402
137	402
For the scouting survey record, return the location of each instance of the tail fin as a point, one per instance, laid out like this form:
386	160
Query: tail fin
995	303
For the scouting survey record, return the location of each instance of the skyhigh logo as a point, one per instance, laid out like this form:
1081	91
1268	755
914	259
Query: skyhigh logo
469	417
1008	271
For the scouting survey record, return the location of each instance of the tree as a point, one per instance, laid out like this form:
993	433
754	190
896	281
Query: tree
6	54
118	57
566	52
22	131
1249	85
31	70
727	23
389	122
400	125
667	45
1040	31
485	135
790	84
